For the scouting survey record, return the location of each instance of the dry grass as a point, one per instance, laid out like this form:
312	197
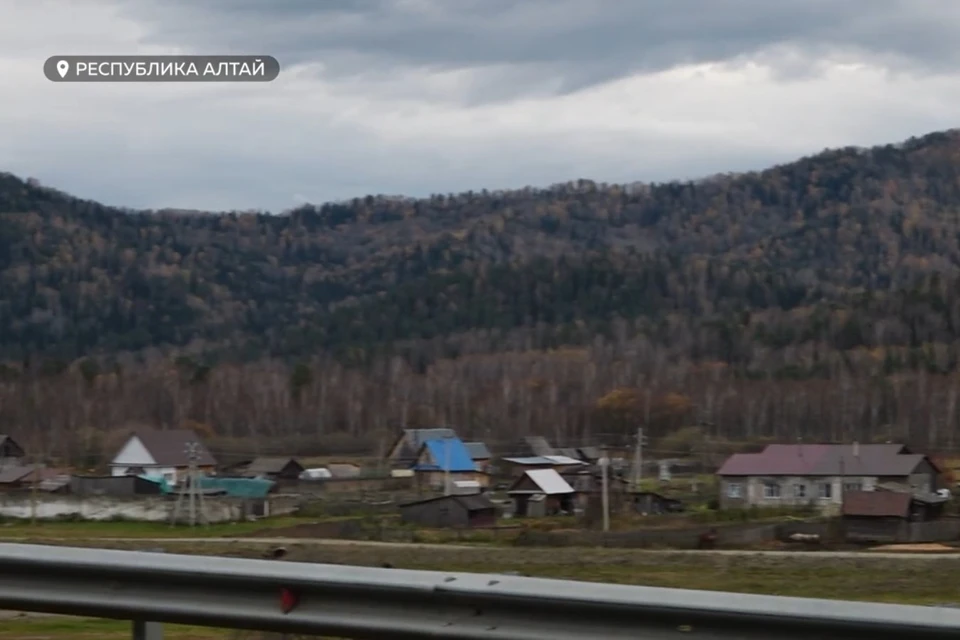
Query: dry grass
57	627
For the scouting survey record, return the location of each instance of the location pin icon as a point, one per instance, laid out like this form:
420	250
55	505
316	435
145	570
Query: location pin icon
62	67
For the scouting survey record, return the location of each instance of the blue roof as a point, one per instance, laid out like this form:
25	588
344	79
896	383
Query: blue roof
238	487
447	449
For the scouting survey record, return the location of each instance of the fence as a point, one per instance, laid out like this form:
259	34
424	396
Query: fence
680	538
898	530
384	604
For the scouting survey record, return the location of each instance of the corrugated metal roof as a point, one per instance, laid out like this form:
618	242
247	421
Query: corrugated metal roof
477	450
823	460
55	483
549	481
10	475
448	454
876	504
545	460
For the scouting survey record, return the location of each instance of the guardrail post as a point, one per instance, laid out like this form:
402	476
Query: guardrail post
147	630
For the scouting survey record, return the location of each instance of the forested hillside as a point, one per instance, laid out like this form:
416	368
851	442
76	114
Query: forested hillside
840	266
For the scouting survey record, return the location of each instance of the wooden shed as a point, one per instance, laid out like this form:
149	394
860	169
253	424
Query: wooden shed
451	511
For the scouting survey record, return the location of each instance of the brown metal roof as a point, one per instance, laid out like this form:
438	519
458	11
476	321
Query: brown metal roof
10	475
824	460
25	473
169	448
876	504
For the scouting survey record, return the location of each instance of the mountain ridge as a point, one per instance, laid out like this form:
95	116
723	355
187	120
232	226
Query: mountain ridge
861	232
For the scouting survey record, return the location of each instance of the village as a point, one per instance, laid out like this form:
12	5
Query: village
430	480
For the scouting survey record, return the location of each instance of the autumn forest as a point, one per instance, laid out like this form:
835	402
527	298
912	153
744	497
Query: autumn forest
816	300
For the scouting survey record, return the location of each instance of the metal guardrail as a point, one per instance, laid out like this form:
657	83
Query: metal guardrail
383	604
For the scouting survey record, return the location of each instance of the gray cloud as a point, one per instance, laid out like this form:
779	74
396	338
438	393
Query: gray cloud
576	42
420	96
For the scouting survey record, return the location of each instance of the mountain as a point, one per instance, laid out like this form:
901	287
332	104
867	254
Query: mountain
848	250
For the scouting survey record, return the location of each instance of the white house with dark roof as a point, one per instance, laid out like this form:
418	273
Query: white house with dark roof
161	453
820	474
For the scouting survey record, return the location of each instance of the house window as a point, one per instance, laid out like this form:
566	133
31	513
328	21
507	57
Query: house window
734	490
826	490
853	486
800	490
771	490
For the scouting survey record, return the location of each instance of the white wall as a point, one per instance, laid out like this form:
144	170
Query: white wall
133	454
754	489
147	509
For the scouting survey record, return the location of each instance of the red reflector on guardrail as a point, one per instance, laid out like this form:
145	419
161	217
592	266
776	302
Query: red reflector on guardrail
288	600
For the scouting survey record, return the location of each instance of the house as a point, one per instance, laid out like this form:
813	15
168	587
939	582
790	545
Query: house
125	486
446	456
480	455
11	453
405	448
587	484
541	492
819	474
451	511
272	468
557	463
163	453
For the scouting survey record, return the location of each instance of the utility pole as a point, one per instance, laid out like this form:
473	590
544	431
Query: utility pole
604	472
446	467
843	483
191	489
34	487
638	461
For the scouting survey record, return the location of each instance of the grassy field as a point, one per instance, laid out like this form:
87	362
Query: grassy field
56	627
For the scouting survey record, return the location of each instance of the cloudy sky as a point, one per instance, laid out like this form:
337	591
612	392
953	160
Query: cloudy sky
421	96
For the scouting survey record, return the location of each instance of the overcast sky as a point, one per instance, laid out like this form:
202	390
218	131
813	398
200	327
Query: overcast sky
421	96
